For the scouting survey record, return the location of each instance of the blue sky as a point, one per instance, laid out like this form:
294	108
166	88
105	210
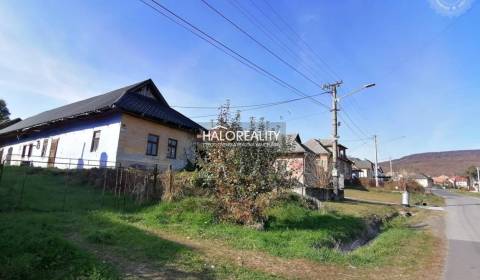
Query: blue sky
425	64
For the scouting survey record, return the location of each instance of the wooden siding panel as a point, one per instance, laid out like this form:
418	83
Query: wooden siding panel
133	143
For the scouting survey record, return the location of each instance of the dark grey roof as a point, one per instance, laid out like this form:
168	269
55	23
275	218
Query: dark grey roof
418	176
295	142
124	98
143	106
9	122
361	163
317	147
328	143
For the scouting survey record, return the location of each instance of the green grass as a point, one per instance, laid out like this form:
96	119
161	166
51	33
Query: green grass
32	248
48	228
56	220
291	231
388	196
467	193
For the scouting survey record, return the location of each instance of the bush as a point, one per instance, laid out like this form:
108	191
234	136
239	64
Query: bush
242	177
410	185
292	198
189	184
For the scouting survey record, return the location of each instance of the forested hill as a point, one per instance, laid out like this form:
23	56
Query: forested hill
436	163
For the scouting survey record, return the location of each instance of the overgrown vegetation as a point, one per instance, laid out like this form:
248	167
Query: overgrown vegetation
400	185
66	241
53	230
243	175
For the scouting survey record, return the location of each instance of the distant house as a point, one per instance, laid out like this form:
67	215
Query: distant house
323	151
422	179
300	161
441	180
362	168
133	125
460	182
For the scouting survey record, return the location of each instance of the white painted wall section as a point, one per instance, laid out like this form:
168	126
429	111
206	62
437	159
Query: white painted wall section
74	145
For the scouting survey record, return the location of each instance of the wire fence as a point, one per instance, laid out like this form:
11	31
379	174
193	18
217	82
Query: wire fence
67	187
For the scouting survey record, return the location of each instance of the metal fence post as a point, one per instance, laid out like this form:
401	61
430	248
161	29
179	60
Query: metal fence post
104	186
119	192
170	181
125	189
65	191
155	173
2	166
22	190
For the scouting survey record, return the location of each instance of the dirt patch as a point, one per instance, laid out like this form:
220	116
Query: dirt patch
218	252
305	269
133	269
281	267
435	224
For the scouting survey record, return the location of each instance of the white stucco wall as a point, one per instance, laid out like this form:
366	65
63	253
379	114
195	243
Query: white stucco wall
74	144
364	173
424	182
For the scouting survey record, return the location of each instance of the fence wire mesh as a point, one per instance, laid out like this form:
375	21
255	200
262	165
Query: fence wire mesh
63	188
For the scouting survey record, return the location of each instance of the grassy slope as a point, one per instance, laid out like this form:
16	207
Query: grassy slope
40	241
292	232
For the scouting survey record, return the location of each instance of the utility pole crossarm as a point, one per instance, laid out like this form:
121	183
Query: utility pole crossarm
333	88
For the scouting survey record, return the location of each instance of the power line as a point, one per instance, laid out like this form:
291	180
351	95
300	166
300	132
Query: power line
253	105
299	38
226	49
353	122
260	43
244	110
273	37
306	116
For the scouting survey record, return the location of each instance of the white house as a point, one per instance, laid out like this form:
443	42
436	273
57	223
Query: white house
133	125
422	179
362	168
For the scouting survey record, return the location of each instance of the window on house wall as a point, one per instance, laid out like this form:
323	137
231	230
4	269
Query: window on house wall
172	148
152	145
24	150
95	141
44	147
30	149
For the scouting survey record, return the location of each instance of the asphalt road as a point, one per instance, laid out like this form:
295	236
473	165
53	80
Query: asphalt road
463	234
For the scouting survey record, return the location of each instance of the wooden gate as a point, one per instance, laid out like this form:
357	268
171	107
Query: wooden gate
53	153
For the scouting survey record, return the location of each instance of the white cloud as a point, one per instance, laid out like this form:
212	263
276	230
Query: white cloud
27	68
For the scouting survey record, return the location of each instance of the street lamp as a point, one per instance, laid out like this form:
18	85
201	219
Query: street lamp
357	90
333	90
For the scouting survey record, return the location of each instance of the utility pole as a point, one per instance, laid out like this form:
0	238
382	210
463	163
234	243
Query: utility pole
478	179
376	160
391	167
333	89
